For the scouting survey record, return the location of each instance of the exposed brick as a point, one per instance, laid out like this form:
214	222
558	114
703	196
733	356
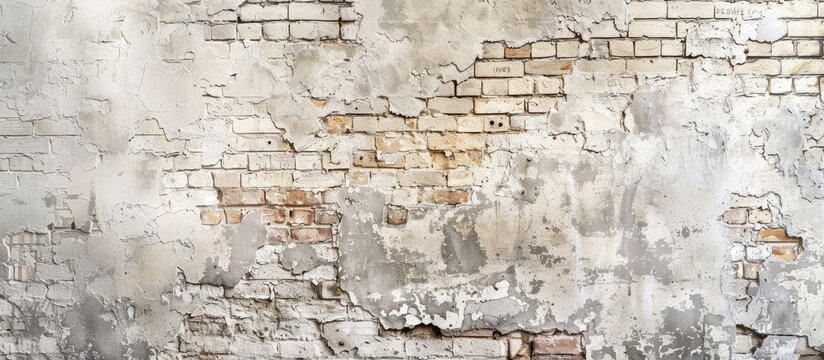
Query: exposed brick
311	235
518	53
548	67
396	215
448	197
211	217
557	344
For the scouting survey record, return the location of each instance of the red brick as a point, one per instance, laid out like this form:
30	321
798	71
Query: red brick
311	235
557	344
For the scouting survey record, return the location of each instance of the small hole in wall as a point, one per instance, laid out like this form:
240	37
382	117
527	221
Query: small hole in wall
269	142
491	122
500	124
340	343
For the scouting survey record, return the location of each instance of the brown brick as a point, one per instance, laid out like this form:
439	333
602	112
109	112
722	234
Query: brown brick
557	344
211	217
301	216
302	198
777	235
275	215
237	196
448	197
311	235
518	53
396	216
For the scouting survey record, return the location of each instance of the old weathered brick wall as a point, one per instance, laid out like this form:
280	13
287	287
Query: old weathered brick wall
426	179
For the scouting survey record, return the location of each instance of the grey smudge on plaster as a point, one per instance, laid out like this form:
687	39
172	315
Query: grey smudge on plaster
299	258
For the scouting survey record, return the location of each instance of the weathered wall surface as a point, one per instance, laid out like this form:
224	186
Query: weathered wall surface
568	179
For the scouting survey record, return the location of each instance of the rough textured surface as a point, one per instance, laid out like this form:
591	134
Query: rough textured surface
568	179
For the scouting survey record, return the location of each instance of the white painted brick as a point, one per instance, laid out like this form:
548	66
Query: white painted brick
499	106
647	9
263	13
499	69
652	29
314	11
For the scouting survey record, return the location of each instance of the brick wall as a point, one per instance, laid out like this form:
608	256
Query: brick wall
134	151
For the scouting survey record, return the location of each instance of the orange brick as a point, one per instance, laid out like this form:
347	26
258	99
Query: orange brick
777	235
338	124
